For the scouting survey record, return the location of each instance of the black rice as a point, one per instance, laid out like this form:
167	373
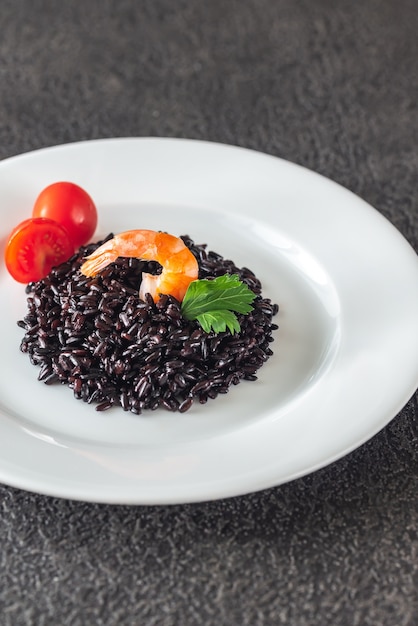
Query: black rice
112	349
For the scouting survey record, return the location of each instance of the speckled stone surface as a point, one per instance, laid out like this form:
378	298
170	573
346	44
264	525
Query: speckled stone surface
332	85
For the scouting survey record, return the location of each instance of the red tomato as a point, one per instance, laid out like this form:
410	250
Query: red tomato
34	247
71	206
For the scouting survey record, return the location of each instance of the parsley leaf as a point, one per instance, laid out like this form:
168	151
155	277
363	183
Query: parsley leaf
219	321
213	303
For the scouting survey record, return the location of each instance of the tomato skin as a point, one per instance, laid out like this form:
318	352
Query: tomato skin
34	247
71	206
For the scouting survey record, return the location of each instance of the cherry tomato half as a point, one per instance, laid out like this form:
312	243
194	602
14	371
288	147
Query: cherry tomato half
72	207
34	247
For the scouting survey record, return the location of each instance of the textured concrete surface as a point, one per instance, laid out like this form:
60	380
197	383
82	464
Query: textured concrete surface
332	86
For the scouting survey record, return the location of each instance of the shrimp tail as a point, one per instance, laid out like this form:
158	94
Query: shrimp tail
149	284
99	259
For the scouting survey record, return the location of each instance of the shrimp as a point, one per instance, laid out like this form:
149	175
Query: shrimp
179	265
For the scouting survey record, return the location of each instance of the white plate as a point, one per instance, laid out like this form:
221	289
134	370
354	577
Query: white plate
346	354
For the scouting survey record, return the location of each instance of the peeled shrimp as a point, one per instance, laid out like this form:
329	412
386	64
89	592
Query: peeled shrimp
179	265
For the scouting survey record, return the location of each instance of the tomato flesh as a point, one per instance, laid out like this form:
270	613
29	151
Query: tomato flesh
72	207
34	247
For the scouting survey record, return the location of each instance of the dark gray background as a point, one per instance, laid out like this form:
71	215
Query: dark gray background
332	85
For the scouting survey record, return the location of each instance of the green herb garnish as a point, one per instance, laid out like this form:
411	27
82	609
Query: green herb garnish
213	303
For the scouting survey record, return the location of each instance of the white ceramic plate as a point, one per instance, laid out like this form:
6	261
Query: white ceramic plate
346	354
